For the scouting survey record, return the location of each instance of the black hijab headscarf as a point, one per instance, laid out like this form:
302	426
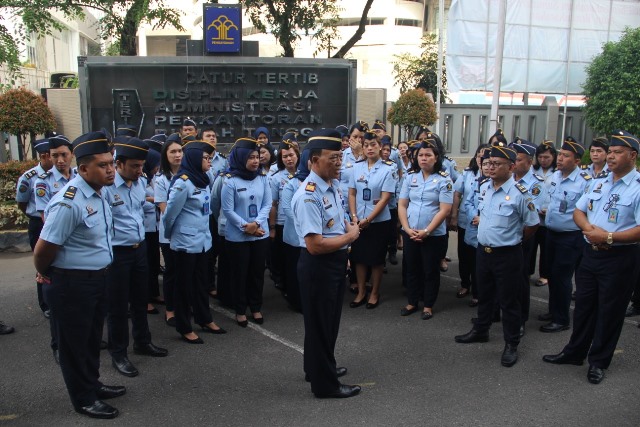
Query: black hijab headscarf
238	157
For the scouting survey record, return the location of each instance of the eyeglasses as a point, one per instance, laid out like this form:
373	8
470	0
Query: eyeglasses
496	164
207	158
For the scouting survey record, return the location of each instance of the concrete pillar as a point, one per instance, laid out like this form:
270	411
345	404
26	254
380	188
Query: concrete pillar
551	128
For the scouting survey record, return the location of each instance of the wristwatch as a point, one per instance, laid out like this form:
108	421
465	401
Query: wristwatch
426	230
610	239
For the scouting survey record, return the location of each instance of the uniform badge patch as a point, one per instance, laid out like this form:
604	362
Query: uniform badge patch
90	210
40	192
449	186
311	186
330	223
535	191
24	186
531	206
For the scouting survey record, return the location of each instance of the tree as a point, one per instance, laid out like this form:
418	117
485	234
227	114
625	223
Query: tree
22	113
288	20
612	86
121	19
412	72
413	109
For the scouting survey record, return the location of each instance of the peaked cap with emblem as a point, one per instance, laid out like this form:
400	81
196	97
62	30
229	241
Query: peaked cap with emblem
379	124
523	146
289	140
41	146
343	129
124	129
131	148
325	139
504	152
246	142
200	145
91	143
622	138
59	141
189	122
573	145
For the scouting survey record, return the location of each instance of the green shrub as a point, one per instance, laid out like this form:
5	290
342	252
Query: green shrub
10	172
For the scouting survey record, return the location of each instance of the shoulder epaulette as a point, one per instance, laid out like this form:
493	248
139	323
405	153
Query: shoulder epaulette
448	158
158	174
275	172
228	175
361	160
311	187
586	176
521	188
70	193
388	162
584	167
184	177
30	174
483	180
538	177
290	176
468	170
444	173
45	175
222	155
410	172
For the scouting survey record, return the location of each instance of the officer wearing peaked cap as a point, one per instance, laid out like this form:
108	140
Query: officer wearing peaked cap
523	174
609	217
507	216
128	291
564	239
73	256
189	127
321	225
26	199
49	183
598	156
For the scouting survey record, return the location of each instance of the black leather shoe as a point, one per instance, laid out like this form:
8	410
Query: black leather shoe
562	359
393	259
426	315
343	391
6	330
56	356
192	341
509	355
472	336
595	375
553	327
47	313
340	372
372	305
632	310
150	350
110	391
257	320
98	409
218	331
171	321
103	345
522	331
125	367
545	317
407	311
356	304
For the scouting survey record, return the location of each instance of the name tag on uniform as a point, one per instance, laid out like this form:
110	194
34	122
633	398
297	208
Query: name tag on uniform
121	202
253	210
613	215
563	206
366	194
206	209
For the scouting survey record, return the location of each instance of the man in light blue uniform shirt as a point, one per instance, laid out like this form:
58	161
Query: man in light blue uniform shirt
523	174
72	257
507	217
321	223
49	183
609	217
128	293
567	184
26	199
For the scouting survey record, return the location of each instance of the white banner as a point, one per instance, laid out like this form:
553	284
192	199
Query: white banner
543	40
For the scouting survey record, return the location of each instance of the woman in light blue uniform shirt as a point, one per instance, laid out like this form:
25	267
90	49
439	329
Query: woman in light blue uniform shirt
287	163
170	160
394	229
373	182
246	202
186	222
425	202
290	240
463	189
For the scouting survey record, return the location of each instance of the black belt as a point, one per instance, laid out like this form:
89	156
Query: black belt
35	218
605	248
134	246
85	274
497	249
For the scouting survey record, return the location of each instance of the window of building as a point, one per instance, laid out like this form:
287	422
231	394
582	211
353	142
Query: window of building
516	127
448	133
354	22
408	22
531	134
482	129
466	133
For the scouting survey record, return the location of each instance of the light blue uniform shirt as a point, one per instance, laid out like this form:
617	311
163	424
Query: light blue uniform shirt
465	185
150	209
613	207
538	191
471	207
589	169
346	171
127	208
369	185
25	189
425	196
449	165
47	185
245	201
216	204
318	208
564	194
161	195
186	219
277	182
504	213
289	235
79	221
218	164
